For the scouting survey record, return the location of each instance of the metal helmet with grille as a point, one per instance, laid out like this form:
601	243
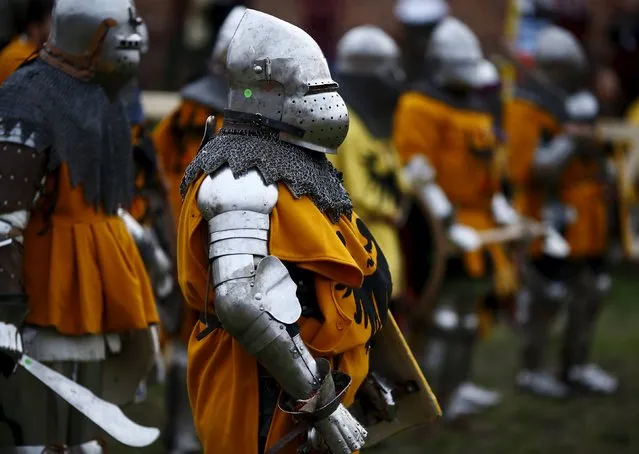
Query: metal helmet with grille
455	54
369	50
561	58
211	90
98	39
277	73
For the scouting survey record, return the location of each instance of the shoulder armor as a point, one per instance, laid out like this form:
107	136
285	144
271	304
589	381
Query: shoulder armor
221	192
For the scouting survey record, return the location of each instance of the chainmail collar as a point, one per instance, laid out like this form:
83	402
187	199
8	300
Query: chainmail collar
244	147
76	123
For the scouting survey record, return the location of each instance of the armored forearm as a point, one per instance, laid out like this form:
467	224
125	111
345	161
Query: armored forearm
421	176
255	298
157	262
21	177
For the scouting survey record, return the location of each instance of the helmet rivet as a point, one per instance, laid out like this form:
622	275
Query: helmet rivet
258	69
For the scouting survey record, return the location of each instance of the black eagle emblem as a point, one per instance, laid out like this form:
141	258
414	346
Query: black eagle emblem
386	180
373	297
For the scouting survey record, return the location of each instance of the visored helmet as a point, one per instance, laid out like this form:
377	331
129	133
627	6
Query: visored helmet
224	36
455	55
212	89
277	71
96	39
561	58
369	50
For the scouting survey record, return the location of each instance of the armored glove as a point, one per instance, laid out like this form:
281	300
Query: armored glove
10	348
334	430
503	212
466	238
555	245
337	434
157	263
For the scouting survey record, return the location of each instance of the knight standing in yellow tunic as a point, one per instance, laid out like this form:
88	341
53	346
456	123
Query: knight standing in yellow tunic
75	293
446	141
370	76
559	173
177	139
290	283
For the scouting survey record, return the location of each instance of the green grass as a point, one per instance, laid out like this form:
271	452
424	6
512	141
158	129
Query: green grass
524	424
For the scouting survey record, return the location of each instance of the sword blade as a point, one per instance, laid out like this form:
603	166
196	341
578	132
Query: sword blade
105	415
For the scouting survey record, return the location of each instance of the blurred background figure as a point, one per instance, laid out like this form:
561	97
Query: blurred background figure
177	140
369	72
31	24
418	19
559	173
148	218
445	137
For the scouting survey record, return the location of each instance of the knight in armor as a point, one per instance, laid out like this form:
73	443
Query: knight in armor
290	284
446	140
149	219
177	139
154	233
370	79
32	23
559	174
75	294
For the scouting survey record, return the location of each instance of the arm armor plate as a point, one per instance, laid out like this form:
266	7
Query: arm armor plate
255	297
422	176
21	178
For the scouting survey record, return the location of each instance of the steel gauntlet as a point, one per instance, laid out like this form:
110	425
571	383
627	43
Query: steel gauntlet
333	428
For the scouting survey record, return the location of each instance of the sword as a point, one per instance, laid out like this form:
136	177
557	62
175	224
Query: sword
103	414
